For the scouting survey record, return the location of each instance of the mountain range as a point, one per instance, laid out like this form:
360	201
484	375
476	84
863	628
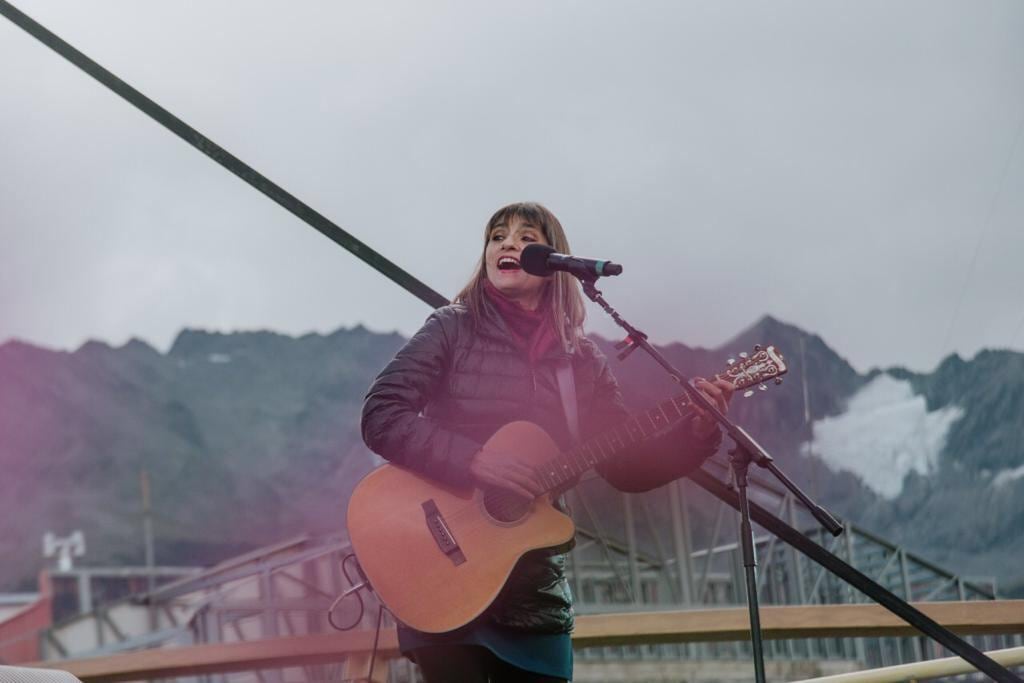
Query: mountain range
249	437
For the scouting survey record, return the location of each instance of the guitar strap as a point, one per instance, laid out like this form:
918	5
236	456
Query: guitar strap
567	388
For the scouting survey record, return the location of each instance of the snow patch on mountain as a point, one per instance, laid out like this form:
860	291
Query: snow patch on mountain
1004	477
885	433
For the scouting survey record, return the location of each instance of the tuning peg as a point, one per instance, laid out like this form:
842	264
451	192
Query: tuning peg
778	381
748	393
731	361
744	354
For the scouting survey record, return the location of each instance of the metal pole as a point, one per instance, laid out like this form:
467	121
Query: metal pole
84	591
702	586
740	462
147	538
663	562
634	569
270	614
683	569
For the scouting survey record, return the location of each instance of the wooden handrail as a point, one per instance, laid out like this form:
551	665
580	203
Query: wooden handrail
919	671
813	621
225	657
817	621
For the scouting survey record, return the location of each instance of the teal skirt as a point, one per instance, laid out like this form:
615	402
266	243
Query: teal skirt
548	654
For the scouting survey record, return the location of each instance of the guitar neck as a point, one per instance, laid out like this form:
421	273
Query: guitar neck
567	466
560	472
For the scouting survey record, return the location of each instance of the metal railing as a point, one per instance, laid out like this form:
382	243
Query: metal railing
639	560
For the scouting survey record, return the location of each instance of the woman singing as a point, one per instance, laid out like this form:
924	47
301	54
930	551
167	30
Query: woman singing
488	359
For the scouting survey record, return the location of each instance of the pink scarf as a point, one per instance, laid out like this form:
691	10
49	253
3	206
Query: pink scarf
531	330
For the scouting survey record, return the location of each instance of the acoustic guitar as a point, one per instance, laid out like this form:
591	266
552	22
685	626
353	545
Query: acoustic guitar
438	556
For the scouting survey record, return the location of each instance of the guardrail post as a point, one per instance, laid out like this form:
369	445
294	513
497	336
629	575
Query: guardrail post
634	569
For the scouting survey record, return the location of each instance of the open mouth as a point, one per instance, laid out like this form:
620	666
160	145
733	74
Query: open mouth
507	263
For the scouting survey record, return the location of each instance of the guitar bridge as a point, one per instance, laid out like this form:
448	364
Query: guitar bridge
442	534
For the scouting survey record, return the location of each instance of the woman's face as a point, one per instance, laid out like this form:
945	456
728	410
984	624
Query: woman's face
505	244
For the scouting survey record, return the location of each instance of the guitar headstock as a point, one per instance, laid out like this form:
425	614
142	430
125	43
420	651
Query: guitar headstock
764	364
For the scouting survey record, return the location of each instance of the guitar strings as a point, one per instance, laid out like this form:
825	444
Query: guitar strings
506	502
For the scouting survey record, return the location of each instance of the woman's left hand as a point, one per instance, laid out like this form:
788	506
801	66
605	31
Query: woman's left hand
719	392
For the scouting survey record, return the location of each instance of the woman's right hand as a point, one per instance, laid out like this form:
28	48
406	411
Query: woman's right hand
490	468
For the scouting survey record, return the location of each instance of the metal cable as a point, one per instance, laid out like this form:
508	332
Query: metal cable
232	163
985	228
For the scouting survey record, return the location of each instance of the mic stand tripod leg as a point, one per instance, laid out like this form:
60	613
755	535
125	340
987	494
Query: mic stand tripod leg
740	463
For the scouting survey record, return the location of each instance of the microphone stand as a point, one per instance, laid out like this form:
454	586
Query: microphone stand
746	451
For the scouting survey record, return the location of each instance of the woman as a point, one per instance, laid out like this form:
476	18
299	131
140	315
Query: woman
484	361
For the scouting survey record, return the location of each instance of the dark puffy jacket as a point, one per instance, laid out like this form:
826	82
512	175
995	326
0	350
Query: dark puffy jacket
457	381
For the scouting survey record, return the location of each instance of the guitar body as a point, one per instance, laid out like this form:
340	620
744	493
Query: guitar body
438	556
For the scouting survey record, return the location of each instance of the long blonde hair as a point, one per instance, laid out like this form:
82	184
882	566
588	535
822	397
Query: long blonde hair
561	295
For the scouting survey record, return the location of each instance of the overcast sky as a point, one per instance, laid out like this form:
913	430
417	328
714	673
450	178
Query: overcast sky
854	168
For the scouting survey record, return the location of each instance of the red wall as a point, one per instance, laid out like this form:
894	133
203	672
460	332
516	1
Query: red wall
19	633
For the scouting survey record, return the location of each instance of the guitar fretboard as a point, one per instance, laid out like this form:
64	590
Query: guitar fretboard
565	467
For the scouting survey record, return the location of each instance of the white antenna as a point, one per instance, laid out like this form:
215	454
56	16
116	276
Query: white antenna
64	548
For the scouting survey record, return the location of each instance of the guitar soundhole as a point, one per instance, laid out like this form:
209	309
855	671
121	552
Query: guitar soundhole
505	506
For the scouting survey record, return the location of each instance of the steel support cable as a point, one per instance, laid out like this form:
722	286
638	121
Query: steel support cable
985	227
232	163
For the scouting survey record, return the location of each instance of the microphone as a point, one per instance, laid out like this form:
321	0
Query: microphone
542	260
